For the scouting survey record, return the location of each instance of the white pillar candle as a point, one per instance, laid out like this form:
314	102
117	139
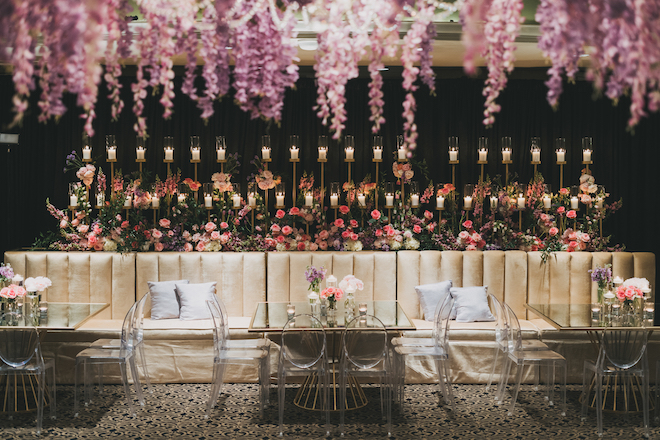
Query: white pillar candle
521	202
100	198
294	152
547	202
493	202
350	151
279	199
362	200
453	155
73	200
265	153
252	201
323	153
208	201
483	155
112	154
155	202
506	155
127	202
181	198
378	153
389	200
139	152
309	199
236	200
561	156
536	156
467	202
586	155
414	200
402	153
440	202
169	154
574	202
87	153
195	153
334	200
221	152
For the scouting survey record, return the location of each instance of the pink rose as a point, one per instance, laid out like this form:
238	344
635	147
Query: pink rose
563	191
156	234
467	224
200	246
428	215
124	224
280	214
86	174
463	235
188	247
553	231
344	209
63	223
339	223
170	233
224	225
417	229
224	238
561	210
158	247
75	222
313	247
354	223
275	228
544	217
323	245
83	229
164	223
571	214
280	238
12	291
92	239
345	234
215	235
210	227
301	246
97	230
323	235
585	237
186	235
375	214
379	232
471	247
98	246
294	211
286	230
354	236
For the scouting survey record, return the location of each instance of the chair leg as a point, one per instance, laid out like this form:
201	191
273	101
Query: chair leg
127	389
585	392
450	395
599	405
75	389
143	361
136	380
40	400
281	394
504	378
514	397
53	394
342	398
492	371
645	393
563	389
215	390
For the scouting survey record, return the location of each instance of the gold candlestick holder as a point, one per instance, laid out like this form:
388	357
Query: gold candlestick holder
322	162
208	213
561	172
377	162
155	211
482	163
535	164
140	162
293	191
587	163
222	164
348	164
506	164
439	209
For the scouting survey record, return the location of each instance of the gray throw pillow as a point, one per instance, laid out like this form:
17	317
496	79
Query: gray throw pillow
164	303
471	304
193	299
430	295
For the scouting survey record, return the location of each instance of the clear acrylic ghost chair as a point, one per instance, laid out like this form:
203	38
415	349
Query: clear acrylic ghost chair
502	340
303	354
123	356
622	354
138	328
20	353
522	358
222	356
365	353
438	352
239	343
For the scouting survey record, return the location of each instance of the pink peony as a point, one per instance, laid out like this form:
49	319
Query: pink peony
375	214
86	174
164	223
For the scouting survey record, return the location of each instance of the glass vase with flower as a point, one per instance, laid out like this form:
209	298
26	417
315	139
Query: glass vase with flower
350	284
314	277
11	297
602	276
631	296
34	287
332	295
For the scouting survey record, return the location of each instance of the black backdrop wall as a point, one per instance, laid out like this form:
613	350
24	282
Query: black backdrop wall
626	163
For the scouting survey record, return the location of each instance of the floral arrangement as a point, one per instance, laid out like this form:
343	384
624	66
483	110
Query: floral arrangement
332	294
631	289
6	273
603	277
37	284
314	277
351	284
12	291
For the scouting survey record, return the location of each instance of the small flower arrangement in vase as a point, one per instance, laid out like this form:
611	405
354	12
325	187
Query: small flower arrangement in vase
9	296
631	295
603	277
332	295
350	285
314	277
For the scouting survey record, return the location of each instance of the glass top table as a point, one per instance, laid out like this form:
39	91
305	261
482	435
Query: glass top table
578	317
271	316
65	316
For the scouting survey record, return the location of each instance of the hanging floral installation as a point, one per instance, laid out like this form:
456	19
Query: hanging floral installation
250	46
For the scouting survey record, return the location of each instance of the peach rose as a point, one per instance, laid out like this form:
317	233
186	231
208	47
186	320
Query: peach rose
571	214
553	231
164	223
224	225
275	228
188	247
313	247
375	214
210	227
323	235
215	235
158	247
286	230
417	229
200	246
344	209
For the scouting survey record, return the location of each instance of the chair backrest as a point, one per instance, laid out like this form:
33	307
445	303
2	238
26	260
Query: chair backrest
514	334
364	342
501	325
18	346
218	325
624	348
303	341
225	317
442	321
138	318
127	335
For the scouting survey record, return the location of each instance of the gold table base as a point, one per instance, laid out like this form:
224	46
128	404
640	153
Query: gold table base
621	393
22	394
310	394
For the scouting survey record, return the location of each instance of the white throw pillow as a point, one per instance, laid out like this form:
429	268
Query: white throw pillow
193	299
164	303
471	304
430	295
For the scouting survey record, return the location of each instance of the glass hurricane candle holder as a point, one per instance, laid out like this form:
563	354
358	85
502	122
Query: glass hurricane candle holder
378	148
140	149
535	150
507	151
168	148
349	148
389	195
86	148
453	149
323	148
265	148
111	148
468	193
221	148
252	194
335	190
414	195
560	150
587	150
482	150
207	189
279	196
294	146
195	150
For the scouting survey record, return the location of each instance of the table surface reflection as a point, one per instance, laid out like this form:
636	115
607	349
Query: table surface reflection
66	316
271	316
577	317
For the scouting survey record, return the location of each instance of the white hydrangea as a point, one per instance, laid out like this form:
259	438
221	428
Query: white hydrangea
395	245
412	243
281	247
110	245
213	246
354	245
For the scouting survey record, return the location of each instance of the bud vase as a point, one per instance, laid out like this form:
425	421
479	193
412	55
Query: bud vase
332	314
349	307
